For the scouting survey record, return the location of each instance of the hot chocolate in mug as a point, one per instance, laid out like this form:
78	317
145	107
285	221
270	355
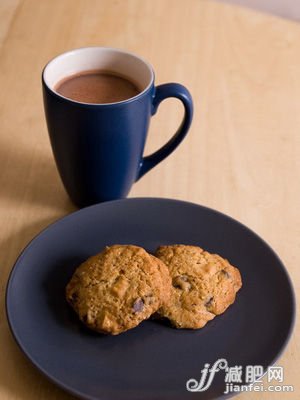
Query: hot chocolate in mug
98	148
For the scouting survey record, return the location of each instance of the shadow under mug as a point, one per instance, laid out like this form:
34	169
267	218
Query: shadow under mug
98	148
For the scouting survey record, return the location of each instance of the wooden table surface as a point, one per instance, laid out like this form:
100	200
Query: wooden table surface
242	155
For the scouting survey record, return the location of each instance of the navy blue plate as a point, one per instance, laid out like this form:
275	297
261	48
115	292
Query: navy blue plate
153	361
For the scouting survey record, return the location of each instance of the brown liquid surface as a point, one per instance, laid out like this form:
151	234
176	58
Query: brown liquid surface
98	87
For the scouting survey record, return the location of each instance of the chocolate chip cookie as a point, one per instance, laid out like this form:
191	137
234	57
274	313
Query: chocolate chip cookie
117	289
203	285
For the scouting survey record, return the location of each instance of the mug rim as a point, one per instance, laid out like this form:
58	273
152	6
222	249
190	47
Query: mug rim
116	103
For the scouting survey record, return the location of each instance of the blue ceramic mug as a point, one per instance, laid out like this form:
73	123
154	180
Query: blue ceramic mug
98	148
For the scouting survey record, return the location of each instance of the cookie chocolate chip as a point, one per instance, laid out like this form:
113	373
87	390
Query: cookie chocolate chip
119	288
203	285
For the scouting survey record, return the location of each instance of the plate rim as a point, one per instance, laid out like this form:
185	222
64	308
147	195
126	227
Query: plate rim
66	217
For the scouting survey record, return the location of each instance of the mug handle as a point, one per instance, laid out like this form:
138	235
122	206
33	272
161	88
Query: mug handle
162	92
